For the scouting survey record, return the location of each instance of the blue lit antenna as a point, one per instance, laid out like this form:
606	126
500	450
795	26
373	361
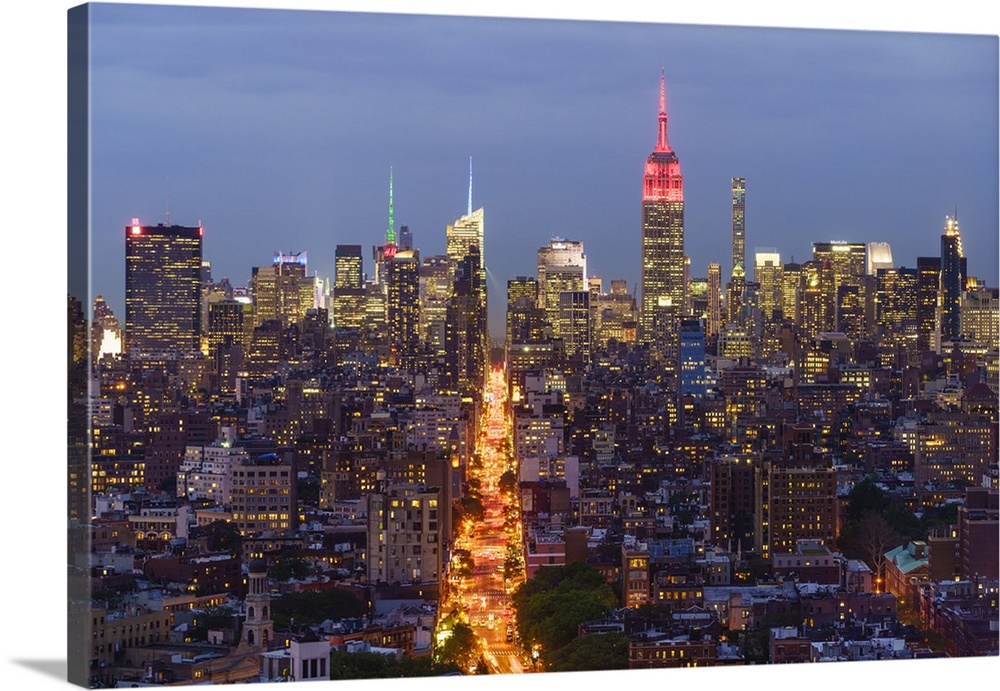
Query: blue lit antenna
469	213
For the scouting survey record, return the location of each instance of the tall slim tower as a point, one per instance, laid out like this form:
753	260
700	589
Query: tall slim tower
952	280
714	298
662	234
739	228
162	288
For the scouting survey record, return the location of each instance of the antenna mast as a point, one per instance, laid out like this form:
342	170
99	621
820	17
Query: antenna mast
390	233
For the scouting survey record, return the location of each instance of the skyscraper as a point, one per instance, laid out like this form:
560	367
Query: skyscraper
460	238
739	228
467	231
895	296
662	234
522	300
348	288
403	306
282	291
843	263
696	375
768	273
435	290
981	316
879	257
792	277
562	266
928	304
575	323
466	338
714	299
162	288
735	291
952	280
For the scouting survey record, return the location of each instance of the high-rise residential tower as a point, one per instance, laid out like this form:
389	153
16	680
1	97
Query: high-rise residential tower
739	227
162	288
714	299
662	235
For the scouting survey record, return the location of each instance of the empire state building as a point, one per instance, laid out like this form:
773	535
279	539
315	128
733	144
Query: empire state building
662	239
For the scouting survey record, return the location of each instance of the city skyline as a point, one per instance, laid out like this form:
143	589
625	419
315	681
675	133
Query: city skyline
314	184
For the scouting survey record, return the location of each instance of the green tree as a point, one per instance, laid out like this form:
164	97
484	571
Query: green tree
755	645
221	536
551	605
309	607
288	564
513	563
216	617
308	491
472	507
591	652
461	648
465	563
345	665
508	481
110	597
876	537
871	510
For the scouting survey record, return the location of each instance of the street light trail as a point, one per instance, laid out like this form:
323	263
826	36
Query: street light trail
495	542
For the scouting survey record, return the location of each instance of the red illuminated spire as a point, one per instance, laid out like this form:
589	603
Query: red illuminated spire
661	143
662	181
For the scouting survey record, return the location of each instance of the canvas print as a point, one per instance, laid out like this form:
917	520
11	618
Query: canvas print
422	346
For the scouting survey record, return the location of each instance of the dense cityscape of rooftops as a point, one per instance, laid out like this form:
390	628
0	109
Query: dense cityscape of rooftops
281	477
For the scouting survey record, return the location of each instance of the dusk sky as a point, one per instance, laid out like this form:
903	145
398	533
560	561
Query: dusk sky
277	129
